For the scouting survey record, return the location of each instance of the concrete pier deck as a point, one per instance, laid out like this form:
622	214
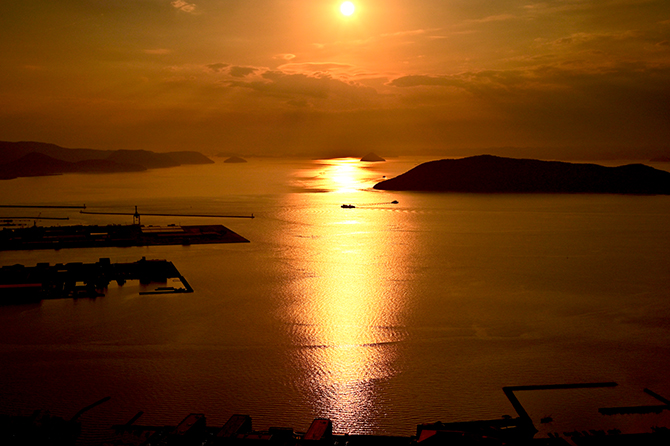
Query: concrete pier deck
93	236
21	284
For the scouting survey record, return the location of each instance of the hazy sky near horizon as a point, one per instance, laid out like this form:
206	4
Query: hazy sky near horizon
297	76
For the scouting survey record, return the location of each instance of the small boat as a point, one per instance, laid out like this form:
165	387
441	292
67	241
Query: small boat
348	206
394	202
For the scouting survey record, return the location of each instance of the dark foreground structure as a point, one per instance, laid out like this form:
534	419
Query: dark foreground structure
57	237
43	429
20	284
494	174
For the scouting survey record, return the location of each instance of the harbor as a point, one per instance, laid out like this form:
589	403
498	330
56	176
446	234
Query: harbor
24	284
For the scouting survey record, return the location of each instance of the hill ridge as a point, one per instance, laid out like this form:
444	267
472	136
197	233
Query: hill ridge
15	159
495	174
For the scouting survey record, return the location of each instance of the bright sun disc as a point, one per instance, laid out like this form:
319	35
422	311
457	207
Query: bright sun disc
347	8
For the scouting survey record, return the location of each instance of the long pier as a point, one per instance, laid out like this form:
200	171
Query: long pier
37	206
137	216
95	236
21	284
509	392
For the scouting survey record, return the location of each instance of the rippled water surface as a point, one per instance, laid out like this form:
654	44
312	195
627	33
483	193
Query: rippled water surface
379	317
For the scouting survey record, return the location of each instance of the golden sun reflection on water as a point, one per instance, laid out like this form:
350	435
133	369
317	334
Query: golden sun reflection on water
339	175
344	175
346	311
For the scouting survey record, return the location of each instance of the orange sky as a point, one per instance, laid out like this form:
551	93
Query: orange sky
559	78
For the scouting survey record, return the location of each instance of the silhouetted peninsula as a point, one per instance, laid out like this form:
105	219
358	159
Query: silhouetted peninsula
493	174
27	158
153	160
37	164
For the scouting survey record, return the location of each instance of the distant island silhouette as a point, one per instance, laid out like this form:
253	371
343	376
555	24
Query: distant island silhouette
28	158
372	157
493	174
235	159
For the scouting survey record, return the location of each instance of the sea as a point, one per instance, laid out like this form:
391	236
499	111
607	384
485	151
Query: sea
379	317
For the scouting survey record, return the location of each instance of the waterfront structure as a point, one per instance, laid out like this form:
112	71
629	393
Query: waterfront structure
21	284
94	236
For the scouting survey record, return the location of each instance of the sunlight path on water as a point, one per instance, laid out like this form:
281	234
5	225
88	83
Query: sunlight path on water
345	308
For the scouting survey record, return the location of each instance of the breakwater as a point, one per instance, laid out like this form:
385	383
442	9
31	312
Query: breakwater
95	236
21	284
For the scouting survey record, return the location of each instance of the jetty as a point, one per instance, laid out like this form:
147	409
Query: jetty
20	284
94	236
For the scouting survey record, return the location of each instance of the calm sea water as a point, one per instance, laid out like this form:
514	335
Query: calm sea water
379	317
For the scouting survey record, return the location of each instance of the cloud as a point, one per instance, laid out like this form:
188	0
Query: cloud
298	88
217	66
286	56
488	84
184	6
618	90
584	37
554	6
314	68
424	80
549	104
241	71
294	84
373	42
412	32
494	18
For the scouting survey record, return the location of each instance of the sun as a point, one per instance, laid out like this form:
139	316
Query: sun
347	8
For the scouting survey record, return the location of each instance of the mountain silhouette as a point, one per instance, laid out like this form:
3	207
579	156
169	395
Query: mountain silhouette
29	158
493	174
38	164
372	157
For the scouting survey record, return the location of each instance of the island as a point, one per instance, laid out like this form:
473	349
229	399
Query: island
494	174
372	157
29	158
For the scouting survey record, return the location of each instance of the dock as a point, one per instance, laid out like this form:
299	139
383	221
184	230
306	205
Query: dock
22	284
193	430
238	431
95	236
